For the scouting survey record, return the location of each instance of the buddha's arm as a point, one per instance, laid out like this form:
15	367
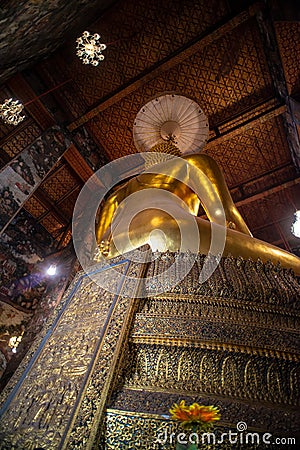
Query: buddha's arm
216	190
107	213
237	244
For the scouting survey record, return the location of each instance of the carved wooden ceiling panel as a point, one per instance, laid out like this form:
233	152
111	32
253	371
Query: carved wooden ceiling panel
271	217
288	36
224	82
23	136
256	151
222	93
58	185
53	202
139	35
52	224
35	207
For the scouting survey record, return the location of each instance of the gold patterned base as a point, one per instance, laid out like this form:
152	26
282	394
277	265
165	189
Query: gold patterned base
231	342
130	430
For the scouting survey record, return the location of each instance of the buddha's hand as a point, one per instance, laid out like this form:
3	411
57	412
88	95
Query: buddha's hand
104	247
231	225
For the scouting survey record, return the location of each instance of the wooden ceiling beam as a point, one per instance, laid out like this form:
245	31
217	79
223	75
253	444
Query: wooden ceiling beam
268	192
225	26
78	164
274	62
67	194
52	208
63	235
274	173
35	108
257	117
272	223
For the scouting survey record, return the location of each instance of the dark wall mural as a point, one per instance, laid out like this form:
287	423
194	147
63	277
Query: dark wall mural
28	294
23	247
24	173
93	153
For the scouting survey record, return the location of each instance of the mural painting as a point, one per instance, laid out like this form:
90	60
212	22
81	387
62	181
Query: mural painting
91	152
28	294
24	173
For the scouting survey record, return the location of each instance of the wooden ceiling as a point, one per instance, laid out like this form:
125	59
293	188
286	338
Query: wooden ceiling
239	60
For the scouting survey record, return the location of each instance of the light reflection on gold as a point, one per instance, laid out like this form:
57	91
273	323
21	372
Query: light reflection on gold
156	222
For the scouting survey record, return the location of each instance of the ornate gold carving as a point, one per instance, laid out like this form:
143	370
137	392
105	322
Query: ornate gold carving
194	370
202	332
140	430
260	415
226	311
83	363
73	364
131	430
46	398
216	346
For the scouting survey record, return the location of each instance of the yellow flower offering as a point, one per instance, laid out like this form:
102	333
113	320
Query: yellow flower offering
195	414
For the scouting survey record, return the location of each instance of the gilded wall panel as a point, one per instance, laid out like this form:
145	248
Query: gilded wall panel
225	311
260	416
197	329
46	398
49	392
131	430
227	373
215	343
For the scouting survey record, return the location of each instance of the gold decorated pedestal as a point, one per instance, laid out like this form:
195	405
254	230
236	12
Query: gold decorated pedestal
107	368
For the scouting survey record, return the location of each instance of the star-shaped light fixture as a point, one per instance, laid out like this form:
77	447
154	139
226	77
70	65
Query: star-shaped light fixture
89	49
295	228
10	111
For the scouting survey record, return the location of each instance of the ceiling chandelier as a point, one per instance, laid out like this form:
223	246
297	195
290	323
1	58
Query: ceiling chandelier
89	49
295	228
10	111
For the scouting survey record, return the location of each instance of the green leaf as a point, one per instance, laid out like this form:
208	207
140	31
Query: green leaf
192	447
181	446
186	446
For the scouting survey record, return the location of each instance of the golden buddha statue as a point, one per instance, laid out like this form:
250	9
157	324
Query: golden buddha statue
124	226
